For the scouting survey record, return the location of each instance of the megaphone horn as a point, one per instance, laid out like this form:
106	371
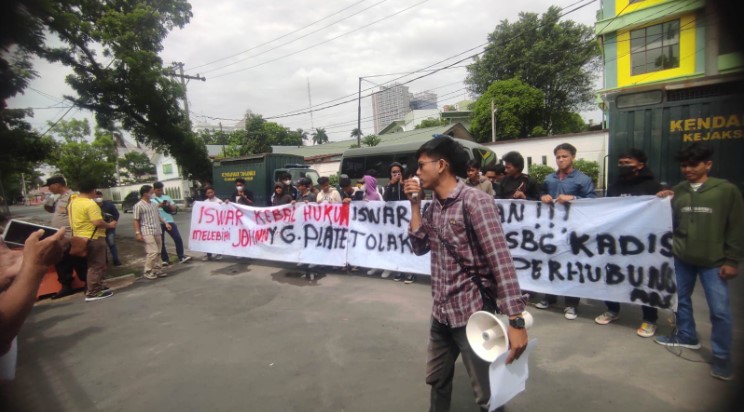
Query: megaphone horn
487	334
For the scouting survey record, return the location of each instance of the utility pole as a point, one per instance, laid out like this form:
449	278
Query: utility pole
494	109
184	77
310	98
359	114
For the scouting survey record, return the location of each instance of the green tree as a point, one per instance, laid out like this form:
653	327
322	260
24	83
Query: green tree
357	134
112	48
539	172
371	140
557	57
137	167
22	151
213	136
431	123
519	107
589	168
320	136
76	158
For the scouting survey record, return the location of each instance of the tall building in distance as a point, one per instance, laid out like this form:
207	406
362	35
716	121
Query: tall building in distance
424	100
389	104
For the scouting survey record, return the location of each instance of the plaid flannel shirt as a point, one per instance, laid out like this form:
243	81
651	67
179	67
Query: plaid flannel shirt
456	296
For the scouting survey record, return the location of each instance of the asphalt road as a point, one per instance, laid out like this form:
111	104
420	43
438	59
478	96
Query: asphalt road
236	336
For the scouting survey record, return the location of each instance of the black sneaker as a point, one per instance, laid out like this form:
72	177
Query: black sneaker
410	278
103	294
398	277
65	291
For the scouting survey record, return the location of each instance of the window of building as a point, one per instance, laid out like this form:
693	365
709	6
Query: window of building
654	48
168	168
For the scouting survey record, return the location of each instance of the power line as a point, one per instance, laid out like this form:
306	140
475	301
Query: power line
323	42
295	113
291	41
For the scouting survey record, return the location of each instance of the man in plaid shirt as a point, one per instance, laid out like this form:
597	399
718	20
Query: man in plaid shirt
455	294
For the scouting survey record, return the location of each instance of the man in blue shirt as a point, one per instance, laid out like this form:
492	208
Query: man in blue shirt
563	186
167	208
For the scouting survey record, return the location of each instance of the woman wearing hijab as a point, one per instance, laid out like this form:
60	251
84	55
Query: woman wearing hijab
370	188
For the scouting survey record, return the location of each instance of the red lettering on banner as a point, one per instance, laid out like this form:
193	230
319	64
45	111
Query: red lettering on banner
210	235
247	237
333	214
221	217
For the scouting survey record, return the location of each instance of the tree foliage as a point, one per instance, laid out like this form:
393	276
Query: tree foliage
539	172
556	57
135	167
259	135
76	158
518	110
589	168
112	48
430	123
320	136
371	140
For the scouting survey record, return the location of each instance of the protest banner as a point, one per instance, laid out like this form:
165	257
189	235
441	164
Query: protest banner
616	249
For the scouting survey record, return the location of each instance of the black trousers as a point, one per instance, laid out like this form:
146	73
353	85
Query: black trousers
445	345
67	265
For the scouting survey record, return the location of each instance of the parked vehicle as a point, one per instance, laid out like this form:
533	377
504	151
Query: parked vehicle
260	172
355	162
127	205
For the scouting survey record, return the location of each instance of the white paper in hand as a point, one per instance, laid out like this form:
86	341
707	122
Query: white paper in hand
508	380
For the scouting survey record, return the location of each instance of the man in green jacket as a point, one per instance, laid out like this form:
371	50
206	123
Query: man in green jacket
708	216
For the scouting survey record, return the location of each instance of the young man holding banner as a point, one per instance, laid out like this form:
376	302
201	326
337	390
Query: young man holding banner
635	179
708	242
563	186
464	220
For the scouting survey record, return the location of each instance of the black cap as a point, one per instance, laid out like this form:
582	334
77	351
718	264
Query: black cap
56	179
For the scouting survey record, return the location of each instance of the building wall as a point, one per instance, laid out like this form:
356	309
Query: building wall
589	146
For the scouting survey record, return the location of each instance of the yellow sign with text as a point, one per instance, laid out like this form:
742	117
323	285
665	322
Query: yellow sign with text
699	129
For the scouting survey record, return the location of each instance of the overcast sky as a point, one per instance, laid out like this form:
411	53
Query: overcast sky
260	56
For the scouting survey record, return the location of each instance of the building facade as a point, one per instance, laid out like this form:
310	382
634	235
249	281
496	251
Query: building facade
390	103
672	75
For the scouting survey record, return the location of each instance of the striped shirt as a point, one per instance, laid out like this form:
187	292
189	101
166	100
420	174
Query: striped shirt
456	296
148	216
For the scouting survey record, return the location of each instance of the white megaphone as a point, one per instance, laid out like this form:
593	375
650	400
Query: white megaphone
487	333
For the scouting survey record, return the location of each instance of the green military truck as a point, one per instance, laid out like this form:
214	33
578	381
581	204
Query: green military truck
661	120
259	172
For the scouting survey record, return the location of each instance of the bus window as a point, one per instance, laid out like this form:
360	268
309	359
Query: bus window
380	164
353	167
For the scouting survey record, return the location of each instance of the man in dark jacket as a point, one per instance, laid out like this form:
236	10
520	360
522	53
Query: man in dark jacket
517	185
394	189
241	195
635	179
708	242
110	212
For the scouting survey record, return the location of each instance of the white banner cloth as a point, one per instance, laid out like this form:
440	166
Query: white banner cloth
616	249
